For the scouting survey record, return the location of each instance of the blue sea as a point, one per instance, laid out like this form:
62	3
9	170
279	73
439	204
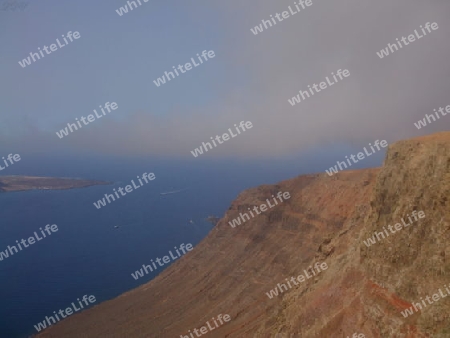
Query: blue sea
87	255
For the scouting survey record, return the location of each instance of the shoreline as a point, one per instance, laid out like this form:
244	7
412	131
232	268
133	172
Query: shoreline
18	183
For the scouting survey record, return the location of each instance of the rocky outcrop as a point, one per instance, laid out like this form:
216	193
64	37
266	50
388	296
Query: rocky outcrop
366	288
325	220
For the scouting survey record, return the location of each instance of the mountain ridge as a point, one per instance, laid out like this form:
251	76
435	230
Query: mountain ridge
325	220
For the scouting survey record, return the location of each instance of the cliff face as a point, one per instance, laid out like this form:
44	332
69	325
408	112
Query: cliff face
325	220
366	288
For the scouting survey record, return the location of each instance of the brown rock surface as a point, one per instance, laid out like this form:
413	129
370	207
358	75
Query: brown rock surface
326	219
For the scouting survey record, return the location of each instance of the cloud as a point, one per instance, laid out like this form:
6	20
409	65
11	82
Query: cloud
258	74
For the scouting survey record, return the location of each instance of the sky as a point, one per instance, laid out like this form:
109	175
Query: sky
251	77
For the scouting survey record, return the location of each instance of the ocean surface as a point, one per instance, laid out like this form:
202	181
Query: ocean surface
87	255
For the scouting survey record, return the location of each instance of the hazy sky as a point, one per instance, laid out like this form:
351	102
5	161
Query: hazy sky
118	57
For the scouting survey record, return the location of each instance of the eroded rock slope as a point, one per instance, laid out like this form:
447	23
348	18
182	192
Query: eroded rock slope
326	219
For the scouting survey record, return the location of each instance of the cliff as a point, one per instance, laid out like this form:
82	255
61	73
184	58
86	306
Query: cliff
326	219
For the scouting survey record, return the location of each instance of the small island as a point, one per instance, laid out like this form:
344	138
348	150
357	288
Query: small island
23	183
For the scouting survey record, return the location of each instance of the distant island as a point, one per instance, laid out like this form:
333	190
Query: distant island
22	183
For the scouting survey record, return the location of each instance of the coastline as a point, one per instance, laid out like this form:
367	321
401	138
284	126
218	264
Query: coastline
19	183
